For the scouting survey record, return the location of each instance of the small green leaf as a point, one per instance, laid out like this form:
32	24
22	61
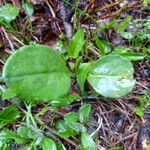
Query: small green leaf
103	46
8	94
127	35
76	44
124	24
28	7
65	100
119	49
8	115
3	146
87	142
77	127
63	129
112	76
23	132
132	56
139	111
8	12
1	90
37	72
116	148
48	144
82	74
84	112
71	117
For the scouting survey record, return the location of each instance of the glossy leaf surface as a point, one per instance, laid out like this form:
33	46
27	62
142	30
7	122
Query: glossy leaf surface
112	76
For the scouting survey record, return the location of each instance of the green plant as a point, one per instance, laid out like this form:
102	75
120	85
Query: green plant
37	72
8	13
144	104
73	124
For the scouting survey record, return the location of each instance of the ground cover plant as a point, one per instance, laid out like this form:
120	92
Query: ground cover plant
75	74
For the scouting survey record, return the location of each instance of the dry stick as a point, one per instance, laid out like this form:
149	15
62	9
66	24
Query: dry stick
99	126
8	39
107	6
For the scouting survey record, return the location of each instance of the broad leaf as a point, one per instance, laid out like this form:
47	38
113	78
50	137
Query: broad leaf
112	76
84	112
8	12
87	142
8	115
48	144
76	44
36	72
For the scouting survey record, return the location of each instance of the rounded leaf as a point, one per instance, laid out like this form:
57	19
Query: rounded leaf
37	72
112	76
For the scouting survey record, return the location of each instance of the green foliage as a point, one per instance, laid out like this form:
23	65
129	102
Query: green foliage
127	35
112	76
129	55
8	12
87	142
63	129
28	7
71	117
84	112
123	24
65	100
48	144
144	104
116	148
37	72
139	111
7	135
8	94
82	74
23	132
8	115
76	44
103	46
3	146
72	122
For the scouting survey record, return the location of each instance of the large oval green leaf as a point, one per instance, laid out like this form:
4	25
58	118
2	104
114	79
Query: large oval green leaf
37	72
112	76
